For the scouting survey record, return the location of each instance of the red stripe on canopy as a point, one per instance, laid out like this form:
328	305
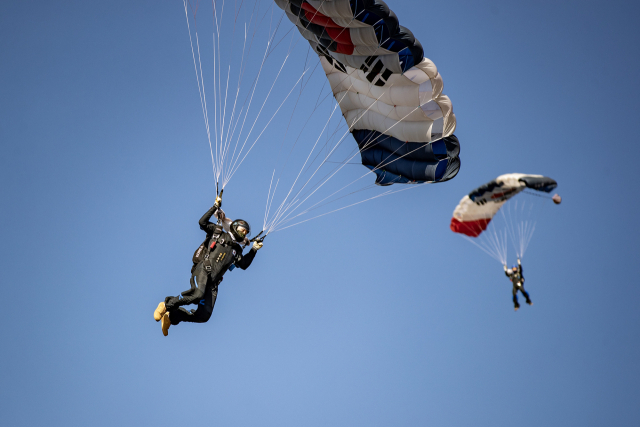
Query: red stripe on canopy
469	228
342	35
346	49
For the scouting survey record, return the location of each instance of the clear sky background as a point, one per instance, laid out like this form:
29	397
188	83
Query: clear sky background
375	316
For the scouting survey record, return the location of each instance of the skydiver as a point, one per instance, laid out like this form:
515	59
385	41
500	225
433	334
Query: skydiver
220	252
516	277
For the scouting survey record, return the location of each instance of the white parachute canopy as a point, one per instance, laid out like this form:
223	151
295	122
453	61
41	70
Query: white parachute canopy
476	217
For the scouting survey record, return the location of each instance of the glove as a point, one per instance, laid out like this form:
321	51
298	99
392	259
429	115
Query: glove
257	245
218	202
220	215
518	261
505	267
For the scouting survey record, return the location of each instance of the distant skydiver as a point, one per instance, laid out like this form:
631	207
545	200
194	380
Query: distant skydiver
219	252
516	277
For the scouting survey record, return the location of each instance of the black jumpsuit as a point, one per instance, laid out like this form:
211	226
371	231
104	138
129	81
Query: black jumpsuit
518	284
207	275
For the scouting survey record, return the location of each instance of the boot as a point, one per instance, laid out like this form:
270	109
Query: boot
516	307
166	323
157	315
529	302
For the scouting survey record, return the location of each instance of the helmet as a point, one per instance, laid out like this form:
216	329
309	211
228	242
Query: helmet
240	229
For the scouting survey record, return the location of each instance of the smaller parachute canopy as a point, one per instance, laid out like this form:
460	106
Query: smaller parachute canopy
475	210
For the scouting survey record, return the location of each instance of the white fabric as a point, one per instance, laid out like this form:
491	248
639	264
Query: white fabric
404	131
467	210
390	61
490	203
409	106
354	101
333	8
226	222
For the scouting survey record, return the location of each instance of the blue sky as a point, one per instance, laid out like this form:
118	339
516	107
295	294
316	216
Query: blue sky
374	316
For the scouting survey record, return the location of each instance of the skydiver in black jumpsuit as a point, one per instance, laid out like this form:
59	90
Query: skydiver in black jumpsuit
222	250
516	277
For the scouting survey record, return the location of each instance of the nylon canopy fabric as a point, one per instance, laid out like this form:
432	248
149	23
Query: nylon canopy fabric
434	162
474	212
385	87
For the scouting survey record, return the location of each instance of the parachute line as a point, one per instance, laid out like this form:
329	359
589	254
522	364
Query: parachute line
255	86
386	193
201	91
281	218
233	129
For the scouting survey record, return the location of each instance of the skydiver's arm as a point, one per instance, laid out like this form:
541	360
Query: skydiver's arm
520	268
206	225
247	259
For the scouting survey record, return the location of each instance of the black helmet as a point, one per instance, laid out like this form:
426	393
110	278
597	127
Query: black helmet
237	231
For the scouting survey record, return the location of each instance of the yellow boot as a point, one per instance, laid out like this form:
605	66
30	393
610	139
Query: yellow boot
157	315
166	324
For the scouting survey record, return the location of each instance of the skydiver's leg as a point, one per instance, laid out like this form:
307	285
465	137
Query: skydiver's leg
192	282
163	307
526	294
515	297
199	281
199	315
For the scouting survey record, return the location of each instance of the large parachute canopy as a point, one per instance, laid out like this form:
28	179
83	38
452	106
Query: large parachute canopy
390	97
474	213
390	94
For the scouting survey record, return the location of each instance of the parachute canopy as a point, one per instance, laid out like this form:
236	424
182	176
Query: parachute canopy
475	210
390	94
